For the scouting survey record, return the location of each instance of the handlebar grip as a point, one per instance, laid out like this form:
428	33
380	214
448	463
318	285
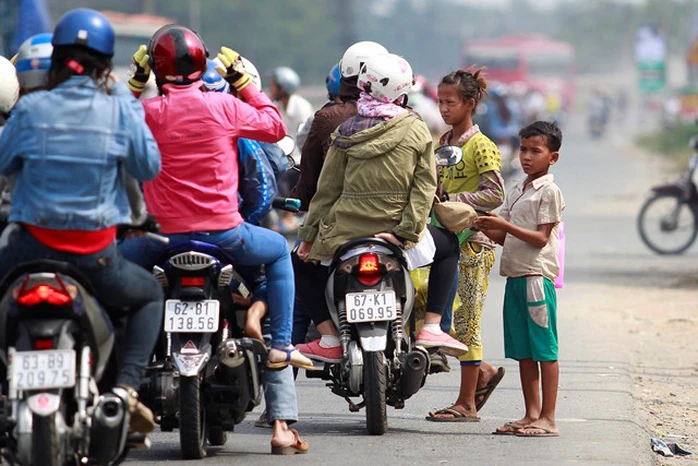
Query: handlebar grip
287	203
156	237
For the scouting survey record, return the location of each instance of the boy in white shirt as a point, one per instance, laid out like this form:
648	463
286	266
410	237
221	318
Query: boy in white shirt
527	227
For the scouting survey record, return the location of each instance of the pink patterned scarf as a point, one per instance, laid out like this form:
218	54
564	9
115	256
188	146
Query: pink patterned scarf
374	108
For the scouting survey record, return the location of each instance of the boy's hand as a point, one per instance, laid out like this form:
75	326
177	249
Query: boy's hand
491	221
232	69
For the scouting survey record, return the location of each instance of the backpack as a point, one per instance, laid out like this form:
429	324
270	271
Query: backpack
257	186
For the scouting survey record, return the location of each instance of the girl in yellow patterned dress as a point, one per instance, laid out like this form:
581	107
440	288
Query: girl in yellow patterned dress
477	182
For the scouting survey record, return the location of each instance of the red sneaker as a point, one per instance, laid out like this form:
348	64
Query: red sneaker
443	340
313	350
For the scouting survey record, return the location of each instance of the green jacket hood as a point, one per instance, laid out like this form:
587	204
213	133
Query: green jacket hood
374	141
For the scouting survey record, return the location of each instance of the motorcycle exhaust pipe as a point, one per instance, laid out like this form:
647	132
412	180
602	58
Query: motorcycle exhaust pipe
109	428
414	372
229	355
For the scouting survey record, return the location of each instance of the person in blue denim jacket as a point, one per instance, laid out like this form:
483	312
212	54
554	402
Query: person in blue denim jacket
71	148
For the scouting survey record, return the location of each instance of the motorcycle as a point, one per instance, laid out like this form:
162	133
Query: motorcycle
598	116
207	375
370	296
59	350
668	220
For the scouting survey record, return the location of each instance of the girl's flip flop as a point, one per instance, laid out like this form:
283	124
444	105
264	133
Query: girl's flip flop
510	428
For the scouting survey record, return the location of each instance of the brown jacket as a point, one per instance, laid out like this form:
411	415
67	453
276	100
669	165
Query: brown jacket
313	153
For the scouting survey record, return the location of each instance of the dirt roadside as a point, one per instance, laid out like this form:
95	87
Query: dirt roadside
653	317
661	342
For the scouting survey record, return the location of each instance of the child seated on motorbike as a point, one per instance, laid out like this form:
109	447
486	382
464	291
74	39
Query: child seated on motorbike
196	195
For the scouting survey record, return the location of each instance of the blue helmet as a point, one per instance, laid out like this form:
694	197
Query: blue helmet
83	26
332	82
212	79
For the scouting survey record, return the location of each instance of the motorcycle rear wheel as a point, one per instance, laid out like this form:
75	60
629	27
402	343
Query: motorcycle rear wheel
375	384
192	419
657	236
46	446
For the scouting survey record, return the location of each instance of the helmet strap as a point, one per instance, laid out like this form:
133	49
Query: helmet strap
74	66
403	100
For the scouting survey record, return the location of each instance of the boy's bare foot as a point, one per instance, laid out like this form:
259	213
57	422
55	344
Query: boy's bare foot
253	321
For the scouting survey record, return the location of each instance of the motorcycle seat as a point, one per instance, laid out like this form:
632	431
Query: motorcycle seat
397	252
46	265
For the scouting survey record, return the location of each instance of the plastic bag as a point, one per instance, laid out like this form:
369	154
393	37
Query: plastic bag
560	279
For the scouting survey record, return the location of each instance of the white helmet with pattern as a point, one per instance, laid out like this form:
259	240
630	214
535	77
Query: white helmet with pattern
386	78
34	61
252	72
9	85
357	54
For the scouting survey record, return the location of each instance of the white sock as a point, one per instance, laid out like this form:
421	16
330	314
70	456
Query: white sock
329	341
433	328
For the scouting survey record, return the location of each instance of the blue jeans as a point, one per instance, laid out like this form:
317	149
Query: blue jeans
118	285
279	390
301	322
246	245
447	316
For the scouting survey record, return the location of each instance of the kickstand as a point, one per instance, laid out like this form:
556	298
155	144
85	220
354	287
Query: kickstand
354	408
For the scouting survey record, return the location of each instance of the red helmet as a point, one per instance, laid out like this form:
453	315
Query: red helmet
177	55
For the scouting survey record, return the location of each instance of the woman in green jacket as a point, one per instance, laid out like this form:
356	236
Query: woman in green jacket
379	179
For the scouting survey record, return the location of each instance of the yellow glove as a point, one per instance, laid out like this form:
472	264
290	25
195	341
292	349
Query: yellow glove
140	70
234	72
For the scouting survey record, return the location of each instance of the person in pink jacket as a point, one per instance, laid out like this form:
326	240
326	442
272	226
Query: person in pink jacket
195	196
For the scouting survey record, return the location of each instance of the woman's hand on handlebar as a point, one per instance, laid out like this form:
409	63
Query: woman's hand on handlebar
389	237
303	250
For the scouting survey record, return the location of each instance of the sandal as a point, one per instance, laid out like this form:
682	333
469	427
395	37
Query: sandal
487	390
293	358
542	432
457	416
299	446
510	428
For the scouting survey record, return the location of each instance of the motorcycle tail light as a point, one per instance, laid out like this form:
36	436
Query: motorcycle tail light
369	269
43	294
43	343
193	281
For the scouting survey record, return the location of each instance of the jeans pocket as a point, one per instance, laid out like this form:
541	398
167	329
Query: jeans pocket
230	240
535	301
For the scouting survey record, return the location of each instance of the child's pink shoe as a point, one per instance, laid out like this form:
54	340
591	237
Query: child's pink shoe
314	350
443	340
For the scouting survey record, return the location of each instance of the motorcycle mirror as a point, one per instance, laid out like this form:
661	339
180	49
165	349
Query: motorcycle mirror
287	144
448	156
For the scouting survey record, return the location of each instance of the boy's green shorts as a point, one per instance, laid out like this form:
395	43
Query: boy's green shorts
530	319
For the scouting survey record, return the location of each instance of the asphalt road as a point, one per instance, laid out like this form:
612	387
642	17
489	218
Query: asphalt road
595	407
